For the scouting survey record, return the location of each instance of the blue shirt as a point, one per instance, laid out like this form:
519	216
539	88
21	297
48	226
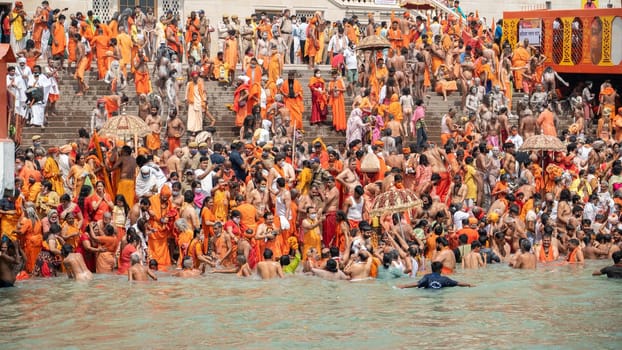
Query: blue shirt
217	158
236	164
434	280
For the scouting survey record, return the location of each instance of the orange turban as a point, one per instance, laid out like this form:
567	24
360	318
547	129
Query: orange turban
142	151
378	143
166	191
406	150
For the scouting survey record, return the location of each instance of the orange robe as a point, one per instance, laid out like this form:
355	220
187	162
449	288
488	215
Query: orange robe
254	97
240	110
40	24
294	104
311	48
546	121
396	38
275	67
337	104
59	42
231	53
519	59
142	82
32	241
254	74
111	105
158	240
100	44
125	44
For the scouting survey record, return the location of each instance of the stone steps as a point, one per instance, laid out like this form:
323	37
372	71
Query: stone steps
74	112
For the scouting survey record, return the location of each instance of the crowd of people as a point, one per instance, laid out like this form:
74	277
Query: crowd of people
276	200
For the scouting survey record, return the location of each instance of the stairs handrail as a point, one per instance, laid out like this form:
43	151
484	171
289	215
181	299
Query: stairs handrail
439	5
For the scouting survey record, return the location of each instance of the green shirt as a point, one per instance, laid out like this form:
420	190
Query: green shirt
293	264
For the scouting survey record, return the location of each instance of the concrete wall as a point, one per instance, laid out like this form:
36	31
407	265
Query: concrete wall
494	8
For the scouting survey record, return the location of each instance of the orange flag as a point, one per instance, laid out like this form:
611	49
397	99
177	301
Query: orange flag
100	156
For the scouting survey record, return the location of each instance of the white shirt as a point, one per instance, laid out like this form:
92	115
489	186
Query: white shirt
458	217
206	183
338	45
350	58
19	90
517	140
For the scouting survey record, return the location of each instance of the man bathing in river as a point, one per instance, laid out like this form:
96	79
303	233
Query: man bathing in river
435	280
138	272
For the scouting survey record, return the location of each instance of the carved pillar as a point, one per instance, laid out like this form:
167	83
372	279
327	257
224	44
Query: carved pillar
606	42
567	42
587	32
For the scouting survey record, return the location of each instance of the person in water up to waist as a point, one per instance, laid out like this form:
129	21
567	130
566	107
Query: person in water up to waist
435	280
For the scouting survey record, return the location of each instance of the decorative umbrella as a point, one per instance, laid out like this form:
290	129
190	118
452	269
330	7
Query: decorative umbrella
374	42
416	5
395	201
125	126
543	143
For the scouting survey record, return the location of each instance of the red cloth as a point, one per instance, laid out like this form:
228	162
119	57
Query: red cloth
329	229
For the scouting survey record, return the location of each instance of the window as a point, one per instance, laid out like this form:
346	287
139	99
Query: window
102	9
144	5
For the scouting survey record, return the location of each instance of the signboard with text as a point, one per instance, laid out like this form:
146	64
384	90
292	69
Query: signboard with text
530	29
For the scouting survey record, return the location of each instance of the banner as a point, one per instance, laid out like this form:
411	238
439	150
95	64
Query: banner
530	29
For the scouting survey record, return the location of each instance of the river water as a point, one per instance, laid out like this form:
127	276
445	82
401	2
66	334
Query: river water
551	308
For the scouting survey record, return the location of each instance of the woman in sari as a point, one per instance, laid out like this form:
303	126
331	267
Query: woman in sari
318	98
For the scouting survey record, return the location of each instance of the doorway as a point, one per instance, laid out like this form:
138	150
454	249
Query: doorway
5	9
144	5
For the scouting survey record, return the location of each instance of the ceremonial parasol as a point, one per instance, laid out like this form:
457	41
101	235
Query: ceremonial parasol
543	143
394	201
416	5
125	126
373	42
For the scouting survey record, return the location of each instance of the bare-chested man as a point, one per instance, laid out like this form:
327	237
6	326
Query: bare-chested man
348	176
127	165
330	272
173	163
243	269
188	212
527	124
188	271
258	196
524	259
269	269
360	270
175	129
444	255
474	260
438	162
138	272
74	264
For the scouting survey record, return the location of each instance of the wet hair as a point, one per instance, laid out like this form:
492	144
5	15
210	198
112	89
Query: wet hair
525	245
617	256
475	244
66	250
436	266
267	254
284	260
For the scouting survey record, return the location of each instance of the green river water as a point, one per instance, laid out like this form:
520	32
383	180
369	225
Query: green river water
550	308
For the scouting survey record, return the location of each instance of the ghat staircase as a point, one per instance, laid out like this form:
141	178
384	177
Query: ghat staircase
74	112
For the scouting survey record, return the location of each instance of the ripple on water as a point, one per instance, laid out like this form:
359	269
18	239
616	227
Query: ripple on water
551	307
